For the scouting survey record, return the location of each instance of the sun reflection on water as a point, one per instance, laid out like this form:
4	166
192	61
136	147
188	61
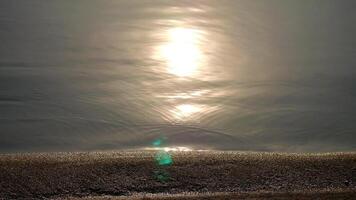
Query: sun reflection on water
168	149
181	55
186	111
182	52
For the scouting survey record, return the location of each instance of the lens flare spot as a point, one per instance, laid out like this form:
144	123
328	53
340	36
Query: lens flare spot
163	158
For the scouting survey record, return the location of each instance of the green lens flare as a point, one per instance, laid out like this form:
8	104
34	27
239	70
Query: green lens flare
163	158
162	176
157	143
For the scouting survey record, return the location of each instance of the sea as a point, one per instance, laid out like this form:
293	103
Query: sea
230	75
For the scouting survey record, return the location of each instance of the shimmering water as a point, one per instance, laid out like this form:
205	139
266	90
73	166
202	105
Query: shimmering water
275	75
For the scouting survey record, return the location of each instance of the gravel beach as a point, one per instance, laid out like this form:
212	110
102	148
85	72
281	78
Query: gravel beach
193	175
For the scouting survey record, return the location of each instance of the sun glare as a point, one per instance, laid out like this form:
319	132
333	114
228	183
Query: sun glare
168	149
185	111
182	53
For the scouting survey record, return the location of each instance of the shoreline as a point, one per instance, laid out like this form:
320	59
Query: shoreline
297	195
121	174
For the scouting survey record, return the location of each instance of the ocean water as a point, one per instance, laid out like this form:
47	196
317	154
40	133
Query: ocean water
249	75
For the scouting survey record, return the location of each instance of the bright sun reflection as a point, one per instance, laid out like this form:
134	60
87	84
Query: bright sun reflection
167	149
182	52
177	149
185	111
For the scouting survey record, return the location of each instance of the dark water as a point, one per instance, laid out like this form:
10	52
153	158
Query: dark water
277	75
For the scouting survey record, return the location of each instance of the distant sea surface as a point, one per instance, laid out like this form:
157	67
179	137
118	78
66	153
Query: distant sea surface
85	75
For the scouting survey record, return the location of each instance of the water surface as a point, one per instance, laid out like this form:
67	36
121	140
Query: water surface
255	75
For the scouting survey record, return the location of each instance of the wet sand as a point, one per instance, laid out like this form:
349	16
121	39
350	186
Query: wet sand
193	175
